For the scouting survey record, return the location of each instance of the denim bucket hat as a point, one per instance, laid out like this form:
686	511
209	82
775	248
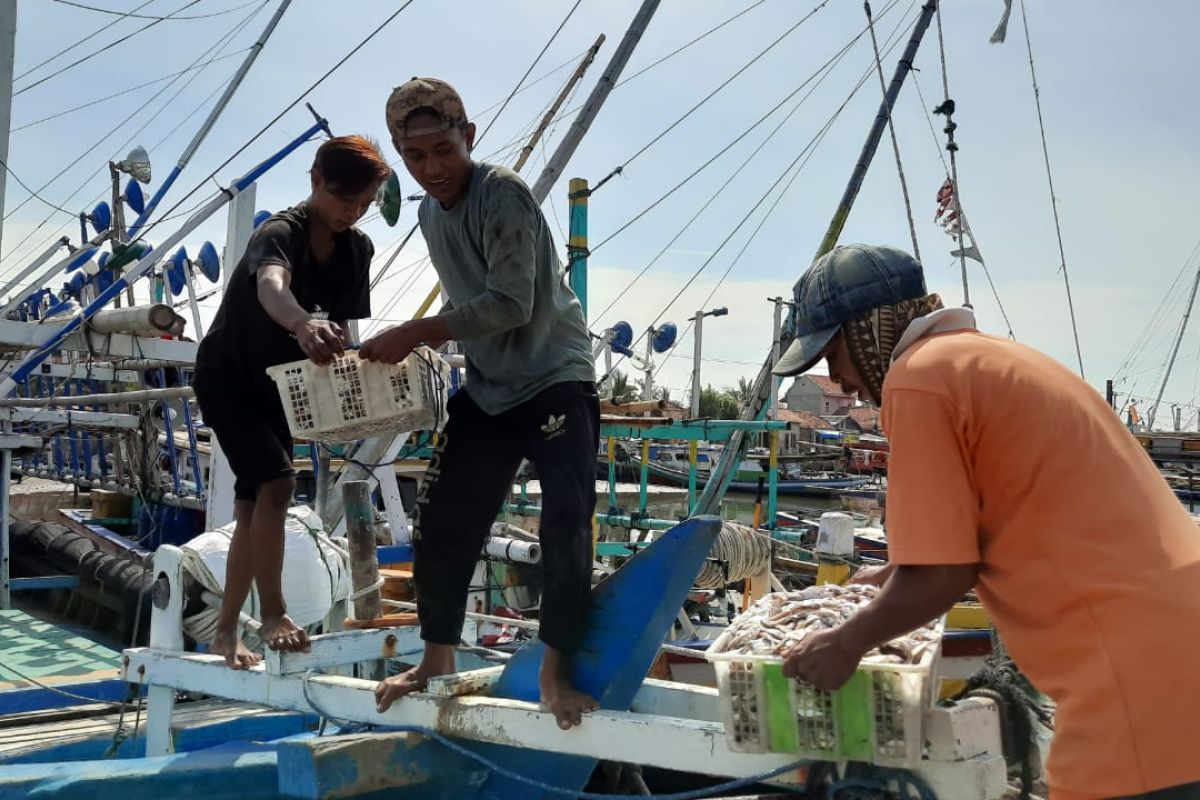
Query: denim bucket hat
845	283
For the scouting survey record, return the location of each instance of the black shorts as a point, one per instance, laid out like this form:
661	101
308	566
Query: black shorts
247	418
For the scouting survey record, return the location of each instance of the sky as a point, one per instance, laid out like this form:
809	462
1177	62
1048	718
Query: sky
1117	87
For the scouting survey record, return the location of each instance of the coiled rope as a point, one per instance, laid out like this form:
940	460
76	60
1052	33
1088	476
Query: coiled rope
740	552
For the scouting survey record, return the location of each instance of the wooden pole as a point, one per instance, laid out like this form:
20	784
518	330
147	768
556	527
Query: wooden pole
364	559
548	117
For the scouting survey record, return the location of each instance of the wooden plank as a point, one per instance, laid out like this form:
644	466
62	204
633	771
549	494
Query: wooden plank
666	742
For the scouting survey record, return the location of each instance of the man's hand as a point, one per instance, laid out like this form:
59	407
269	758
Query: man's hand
824	659
392	346
320	339
872	576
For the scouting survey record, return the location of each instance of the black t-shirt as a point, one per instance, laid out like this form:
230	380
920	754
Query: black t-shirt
243	337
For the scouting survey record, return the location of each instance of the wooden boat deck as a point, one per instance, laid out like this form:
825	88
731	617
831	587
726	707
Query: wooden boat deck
50	654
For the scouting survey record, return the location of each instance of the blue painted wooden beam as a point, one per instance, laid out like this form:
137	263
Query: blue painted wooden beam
632	611
247	773
313	768
14	701
256	728
44	582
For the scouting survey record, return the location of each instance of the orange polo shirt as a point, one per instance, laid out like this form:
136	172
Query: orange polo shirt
1089	565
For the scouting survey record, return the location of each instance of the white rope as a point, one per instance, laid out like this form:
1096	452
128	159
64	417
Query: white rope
366	590
740	552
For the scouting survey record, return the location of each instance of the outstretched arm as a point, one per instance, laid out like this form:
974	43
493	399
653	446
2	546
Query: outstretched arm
912	596
319	339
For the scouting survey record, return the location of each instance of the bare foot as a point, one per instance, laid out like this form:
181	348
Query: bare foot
565	702
231	646
283	635
438	660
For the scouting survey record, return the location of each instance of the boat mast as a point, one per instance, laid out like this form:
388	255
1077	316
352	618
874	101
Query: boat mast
731	456
1187	313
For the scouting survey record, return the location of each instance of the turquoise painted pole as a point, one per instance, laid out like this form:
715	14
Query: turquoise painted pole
577	242
612	474
692	447
643	500
773	481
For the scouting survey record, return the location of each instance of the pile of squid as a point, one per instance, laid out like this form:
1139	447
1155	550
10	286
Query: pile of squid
780	621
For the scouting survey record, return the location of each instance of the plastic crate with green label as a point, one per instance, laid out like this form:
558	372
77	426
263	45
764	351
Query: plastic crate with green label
876	717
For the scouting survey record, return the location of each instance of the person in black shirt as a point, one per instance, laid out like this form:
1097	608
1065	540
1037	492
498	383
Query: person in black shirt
304	274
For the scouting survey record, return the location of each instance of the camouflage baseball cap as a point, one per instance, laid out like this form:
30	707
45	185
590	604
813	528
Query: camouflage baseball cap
424	93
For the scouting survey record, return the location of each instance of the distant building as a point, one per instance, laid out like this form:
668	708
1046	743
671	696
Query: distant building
866	418
818	394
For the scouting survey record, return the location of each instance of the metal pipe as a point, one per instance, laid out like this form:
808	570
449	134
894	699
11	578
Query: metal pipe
46	255
152	395
152	320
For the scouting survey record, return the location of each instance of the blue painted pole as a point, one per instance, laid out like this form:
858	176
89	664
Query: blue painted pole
72	434
169	431
193	449
577	241
95	388
85	437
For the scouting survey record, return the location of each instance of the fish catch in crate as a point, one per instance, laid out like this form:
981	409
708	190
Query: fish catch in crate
876	717
351	399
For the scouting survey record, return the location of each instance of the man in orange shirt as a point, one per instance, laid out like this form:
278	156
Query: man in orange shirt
1011	475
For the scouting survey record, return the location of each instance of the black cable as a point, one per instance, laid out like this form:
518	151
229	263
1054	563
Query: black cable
646	69
721	86
738	138
73	45
95	53
217	46
129	90
517	88
391	259
746	217
32	193
286	109
131	15
823	72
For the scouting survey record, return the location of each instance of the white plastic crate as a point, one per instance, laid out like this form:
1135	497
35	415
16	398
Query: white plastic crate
876	717
351	399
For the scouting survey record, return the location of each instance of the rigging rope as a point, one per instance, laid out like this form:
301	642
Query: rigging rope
95	53
947	108
810	149
760	201
129	90
212	175
75	44
1037	100
171	17
217	47
621	168
814	76
541	53
891	125
645	69
937	146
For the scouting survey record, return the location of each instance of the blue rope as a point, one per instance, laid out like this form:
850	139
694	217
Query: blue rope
492	766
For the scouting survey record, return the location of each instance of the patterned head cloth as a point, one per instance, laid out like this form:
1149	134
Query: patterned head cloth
871	338
424	94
